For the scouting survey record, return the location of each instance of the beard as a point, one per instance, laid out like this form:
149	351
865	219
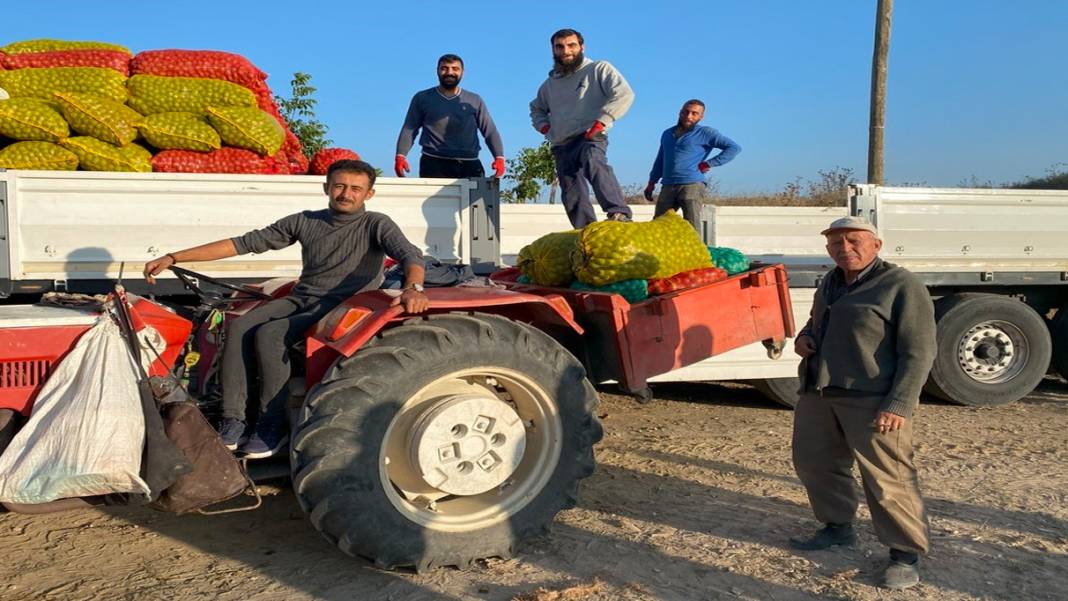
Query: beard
568	68
449	82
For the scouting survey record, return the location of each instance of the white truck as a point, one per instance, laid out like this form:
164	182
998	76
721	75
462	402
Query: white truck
996	261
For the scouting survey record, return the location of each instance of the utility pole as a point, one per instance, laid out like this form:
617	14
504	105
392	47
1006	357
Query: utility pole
883	14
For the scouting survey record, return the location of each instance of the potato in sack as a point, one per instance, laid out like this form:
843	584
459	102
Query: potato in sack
547	260
205	64
96	155
43	83
248	128
179	131
104	59
50	45
37	155
150	94
99	117
31	119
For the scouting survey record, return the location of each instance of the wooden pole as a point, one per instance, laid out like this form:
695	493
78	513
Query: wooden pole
883	15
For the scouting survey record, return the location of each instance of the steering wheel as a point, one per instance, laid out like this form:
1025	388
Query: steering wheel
187	277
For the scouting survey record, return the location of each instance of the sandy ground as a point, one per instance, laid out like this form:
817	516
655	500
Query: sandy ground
694	498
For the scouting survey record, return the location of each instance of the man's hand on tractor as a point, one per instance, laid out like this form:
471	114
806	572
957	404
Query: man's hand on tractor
498	167
703	166
400	165
414	301
648	193
595	129
542	129
157	266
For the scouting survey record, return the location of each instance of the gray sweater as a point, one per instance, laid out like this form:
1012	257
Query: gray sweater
450	126
877	337
571	103
341	254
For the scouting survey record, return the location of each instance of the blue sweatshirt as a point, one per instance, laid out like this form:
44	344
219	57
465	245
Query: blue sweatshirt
676	161
450	126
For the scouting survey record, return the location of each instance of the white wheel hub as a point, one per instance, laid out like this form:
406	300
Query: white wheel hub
467	444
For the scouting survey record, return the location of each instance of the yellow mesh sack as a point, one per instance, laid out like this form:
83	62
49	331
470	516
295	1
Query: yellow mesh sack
179	131
547	260
43	83
151	94
31	119
248	128
49	45
96	155
99	117
37	155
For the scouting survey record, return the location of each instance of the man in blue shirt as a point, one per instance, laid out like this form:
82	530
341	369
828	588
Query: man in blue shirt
451	119
682	163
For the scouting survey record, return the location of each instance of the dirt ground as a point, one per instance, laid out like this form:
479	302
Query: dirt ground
694	498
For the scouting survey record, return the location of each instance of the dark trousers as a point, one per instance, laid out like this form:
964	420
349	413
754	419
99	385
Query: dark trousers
450	168
688	197
581	163
831	434
257	350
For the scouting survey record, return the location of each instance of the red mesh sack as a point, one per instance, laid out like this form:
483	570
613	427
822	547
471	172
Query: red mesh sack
325	157
223	160
296	162
211	64
105	59
686	279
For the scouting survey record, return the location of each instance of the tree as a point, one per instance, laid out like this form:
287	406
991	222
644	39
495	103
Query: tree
299	113
531	170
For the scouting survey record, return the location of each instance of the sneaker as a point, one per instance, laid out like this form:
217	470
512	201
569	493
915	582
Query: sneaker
903	571
619	217
828	536
265	442
233	433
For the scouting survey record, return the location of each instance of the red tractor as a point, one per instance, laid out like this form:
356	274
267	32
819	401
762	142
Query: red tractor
451	436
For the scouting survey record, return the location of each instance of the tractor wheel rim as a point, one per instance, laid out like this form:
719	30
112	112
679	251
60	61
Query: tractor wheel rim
993	352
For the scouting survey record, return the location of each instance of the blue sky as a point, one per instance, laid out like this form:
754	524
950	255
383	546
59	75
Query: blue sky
976	88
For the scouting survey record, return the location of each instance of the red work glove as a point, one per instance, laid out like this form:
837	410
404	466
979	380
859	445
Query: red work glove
498	166
544	129
649	191
703	166
595	129
400	165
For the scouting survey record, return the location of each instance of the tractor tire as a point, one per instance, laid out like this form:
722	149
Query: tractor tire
445	440
1059	333
783	391
991	350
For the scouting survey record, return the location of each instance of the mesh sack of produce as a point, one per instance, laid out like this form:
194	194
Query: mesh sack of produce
31	119
733	260
104	59
150	94
632	290
37	155
43	83
99	117
49	45
547	260
96	155
138	154
613	251
687	279
248	128
327	156
204	64
223	160
179	131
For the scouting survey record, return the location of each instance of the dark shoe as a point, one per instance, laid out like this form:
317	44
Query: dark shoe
233	433
265	442
826	537
619	217
903	571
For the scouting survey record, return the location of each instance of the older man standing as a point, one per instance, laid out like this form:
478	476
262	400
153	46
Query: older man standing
867	349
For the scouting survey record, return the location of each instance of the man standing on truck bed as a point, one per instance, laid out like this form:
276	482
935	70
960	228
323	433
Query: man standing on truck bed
342	250
866	349
449	118
683	161
574	108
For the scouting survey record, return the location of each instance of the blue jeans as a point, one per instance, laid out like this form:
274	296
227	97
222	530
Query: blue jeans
579	164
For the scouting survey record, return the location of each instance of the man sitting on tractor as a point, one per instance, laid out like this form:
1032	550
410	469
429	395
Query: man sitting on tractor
342	253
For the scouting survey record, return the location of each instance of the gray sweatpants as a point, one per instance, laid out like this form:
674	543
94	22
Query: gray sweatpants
688	197
581	162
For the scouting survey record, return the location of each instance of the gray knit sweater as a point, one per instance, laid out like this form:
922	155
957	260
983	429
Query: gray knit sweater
570	103
877	337
341	253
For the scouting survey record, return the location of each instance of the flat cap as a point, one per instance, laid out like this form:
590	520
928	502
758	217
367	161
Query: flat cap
850	223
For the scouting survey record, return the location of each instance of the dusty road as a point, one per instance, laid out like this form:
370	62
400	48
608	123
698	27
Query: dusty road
694	498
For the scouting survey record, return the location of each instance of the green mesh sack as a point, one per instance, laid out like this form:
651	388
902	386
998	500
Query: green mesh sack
137	155
632	290
96	155
37	155
99	117
523	280
613	251
179	131
151	94
47	45
31	119
43	83
729	259
547	260
248	128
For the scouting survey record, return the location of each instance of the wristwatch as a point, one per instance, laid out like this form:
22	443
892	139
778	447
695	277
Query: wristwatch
416	287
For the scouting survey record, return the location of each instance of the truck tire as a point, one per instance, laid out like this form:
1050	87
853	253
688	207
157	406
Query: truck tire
1059	332
991	350
445	440
781	390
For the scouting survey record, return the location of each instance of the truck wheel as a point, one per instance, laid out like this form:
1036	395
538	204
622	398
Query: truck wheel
445	440
991	350
781	390
1059	332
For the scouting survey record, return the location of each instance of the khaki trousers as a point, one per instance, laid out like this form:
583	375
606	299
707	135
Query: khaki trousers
831	433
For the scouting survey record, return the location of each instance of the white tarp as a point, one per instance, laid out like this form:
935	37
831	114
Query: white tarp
86	432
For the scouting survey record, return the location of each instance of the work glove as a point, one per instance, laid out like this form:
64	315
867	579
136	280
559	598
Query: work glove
498	166
400	165
595	129
703	166
649	191
544	129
